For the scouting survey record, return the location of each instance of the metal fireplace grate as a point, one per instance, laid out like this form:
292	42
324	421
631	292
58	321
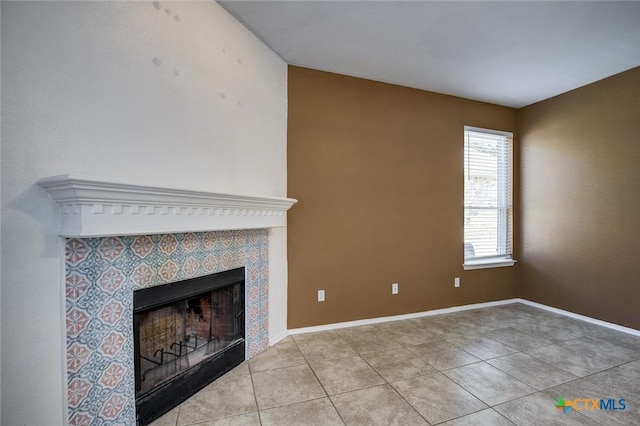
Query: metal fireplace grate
187	334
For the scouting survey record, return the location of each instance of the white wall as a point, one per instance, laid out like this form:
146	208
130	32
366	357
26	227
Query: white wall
181	96
278	279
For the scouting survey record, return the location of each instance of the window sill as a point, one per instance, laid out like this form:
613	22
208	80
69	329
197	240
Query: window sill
489	263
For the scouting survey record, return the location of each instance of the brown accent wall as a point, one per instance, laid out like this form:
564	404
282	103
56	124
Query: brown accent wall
580	200
377	170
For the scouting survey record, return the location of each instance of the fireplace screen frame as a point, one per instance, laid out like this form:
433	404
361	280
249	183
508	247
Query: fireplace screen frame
152	403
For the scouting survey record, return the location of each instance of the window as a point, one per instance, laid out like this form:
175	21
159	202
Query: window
487	198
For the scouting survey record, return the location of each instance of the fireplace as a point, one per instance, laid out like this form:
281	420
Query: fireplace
186	335
104	275
123	237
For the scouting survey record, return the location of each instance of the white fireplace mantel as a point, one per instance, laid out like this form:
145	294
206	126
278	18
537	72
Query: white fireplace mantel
98	208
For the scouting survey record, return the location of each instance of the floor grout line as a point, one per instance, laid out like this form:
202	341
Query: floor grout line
253	388
323	388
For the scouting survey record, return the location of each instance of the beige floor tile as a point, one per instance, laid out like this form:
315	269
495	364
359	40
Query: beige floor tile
323	345
227	396
489	384
627	417
554	334
290	380
481	346
539	409
571	323
486	417
617	354
398	364
532	371
250	419
443	355
517	339
440	325
463	323
240	370
618	338
433	324
584	356
623	380
367	338
318	412
379	405
345	374
468	323
286	386
437	398
406	333
582	388
512	318
576	363
592	389
282	354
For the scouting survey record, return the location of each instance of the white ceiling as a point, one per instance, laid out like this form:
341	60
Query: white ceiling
508	53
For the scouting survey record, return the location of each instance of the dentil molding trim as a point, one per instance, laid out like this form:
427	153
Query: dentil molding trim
98	208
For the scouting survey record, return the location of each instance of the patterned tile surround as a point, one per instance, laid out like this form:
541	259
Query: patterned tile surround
101	274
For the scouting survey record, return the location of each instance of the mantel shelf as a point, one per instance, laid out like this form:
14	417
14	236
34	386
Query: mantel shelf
98	208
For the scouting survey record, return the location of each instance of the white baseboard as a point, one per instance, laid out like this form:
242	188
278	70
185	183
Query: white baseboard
379	320
275	339
338	325
569	314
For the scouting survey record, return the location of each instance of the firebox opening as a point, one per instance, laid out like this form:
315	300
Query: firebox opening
187	334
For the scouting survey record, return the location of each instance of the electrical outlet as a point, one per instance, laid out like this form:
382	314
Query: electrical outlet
394	288
320	295
456	282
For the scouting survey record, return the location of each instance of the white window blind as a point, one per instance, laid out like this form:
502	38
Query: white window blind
487	194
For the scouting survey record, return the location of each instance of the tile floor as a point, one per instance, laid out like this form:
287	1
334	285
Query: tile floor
493	366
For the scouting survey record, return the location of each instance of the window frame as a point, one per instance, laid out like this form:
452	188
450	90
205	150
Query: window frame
504	207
